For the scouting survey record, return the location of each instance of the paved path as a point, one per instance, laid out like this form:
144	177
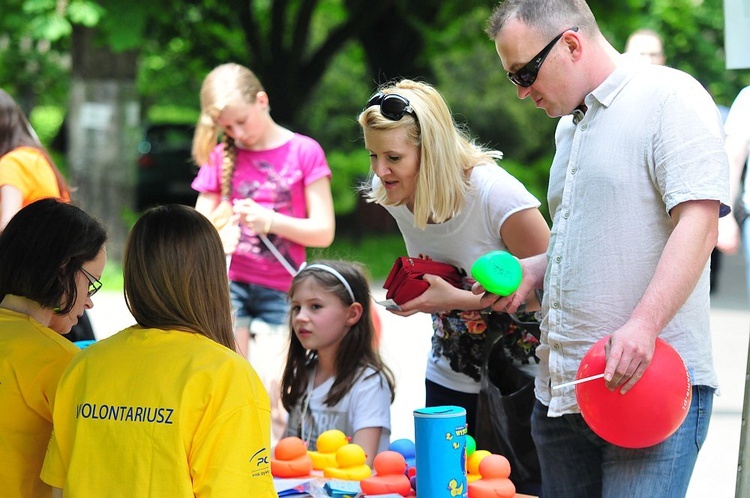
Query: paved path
405	344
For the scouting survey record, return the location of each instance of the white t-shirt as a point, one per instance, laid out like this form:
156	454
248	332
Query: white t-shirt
367	404
495	195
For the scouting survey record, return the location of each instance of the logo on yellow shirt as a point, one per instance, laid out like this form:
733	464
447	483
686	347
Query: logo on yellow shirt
149	414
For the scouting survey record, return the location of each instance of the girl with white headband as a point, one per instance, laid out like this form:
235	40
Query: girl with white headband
334	377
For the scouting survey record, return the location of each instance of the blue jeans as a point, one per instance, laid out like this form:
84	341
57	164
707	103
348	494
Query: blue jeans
255	302
577	463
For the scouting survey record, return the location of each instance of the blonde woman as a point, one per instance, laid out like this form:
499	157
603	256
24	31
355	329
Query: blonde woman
452	203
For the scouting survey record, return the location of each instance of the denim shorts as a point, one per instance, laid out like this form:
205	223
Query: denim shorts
255	302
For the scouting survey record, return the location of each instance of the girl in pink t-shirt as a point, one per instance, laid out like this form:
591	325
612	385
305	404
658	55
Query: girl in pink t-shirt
264	187
268	192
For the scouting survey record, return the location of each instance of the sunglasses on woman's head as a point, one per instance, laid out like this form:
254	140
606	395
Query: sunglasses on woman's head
526	76
392	105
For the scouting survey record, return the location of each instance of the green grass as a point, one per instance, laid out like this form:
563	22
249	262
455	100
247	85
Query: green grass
376	251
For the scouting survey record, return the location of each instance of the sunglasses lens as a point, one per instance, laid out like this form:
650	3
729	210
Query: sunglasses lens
374	100
393	107
522	78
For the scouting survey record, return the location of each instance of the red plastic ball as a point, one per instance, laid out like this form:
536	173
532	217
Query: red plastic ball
648	413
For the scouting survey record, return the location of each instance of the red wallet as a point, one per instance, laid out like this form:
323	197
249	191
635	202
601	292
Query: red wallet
405	282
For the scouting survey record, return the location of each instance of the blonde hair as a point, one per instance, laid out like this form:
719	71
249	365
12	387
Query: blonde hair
221	87
447	152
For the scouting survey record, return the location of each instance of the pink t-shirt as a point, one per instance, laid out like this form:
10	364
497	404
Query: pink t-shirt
275	179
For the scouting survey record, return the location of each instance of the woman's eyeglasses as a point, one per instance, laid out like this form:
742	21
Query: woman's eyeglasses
392	105
94	283
526	76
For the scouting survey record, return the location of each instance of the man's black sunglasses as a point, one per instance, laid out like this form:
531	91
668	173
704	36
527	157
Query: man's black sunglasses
526	76
392	105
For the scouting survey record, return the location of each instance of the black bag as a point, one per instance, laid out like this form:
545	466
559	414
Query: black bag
506	398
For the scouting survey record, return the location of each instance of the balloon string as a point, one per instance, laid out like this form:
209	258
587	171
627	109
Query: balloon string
579	381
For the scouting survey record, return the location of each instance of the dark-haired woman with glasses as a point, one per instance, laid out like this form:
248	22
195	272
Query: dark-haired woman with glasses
452	203
52	256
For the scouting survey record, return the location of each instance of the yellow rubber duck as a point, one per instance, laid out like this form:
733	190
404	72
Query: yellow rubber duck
327	444
351	464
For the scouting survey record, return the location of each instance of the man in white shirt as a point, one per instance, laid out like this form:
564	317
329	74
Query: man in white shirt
637	186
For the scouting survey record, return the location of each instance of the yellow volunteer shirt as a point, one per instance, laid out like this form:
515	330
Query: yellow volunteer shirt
26	169
154	413
32	359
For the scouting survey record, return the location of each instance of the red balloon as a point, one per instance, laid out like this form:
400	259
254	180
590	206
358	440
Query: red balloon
648	413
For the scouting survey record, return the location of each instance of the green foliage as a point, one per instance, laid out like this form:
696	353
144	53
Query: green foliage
471	79
331	115
348	169
176	51
46	121
377	252
693	34
535	176
51	22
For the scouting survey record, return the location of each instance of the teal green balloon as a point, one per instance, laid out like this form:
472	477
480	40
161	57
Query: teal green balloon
499	272
471	446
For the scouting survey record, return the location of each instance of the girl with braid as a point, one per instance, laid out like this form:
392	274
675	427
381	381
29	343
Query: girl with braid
261	180
268	192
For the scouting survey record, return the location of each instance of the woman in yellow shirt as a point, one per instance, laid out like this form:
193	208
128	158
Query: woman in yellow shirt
51	258
165	407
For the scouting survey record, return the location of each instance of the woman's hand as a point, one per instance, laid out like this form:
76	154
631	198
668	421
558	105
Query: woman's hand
439	296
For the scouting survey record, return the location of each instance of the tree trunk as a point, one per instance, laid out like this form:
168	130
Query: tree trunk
103	132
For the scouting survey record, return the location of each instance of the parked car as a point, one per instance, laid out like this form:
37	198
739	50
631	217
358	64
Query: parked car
165	166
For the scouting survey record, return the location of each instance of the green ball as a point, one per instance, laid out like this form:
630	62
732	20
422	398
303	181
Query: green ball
499	272
471	446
